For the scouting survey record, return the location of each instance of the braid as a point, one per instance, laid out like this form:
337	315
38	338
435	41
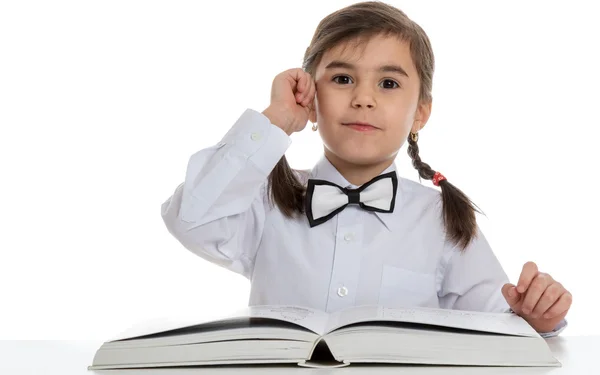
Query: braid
423	168
458	210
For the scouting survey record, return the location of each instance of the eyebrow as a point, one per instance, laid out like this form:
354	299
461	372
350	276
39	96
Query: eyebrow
385	68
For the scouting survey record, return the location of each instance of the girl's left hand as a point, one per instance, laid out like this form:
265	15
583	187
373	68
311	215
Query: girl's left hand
538	298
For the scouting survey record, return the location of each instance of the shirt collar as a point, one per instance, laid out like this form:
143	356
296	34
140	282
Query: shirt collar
324	170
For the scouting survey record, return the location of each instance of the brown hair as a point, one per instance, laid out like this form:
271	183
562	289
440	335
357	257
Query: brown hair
360	22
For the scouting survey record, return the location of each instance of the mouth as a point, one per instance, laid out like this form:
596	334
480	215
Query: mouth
360	126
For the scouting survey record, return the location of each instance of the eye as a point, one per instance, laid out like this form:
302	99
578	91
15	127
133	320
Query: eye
344	78
390	82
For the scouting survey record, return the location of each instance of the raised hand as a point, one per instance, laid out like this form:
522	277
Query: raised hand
292	99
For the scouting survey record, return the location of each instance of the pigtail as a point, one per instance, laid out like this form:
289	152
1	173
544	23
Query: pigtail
285	190
458	210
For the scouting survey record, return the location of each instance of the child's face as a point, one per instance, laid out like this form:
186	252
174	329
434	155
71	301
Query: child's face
387	100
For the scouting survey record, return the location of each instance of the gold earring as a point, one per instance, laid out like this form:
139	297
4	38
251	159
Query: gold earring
315	127
414	136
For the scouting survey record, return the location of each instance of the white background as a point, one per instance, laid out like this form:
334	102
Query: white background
102	103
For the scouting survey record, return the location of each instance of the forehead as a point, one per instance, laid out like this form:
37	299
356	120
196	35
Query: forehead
370	54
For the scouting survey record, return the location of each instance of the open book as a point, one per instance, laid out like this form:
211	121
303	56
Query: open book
312	338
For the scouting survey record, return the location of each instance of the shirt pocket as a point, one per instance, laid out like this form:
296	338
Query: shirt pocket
401	287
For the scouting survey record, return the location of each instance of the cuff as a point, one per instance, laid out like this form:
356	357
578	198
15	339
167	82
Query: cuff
558	329
253	137
555	332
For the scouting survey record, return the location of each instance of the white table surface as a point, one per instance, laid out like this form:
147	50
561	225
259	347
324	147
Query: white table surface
577	354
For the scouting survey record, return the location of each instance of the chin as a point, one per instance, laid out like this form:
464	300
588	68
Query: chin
360	157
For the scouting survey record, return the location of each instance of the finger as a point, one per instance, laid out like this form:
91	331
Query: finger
529	271
548	298
306	81
534	292
300	87
305	88
310	95
560	306
512	297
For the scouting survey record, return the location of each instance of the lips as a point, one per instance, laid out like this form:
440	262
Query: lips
359	125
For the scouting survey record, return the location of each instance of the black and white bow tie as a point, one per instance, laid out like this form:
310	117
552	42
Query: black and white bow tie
325	199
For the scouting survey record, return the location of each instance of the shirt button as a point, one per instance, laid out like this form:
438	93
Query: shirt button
348	236
255	136
342	292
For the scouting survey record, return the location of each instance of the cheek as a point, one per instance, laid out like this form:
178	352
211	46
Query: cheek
330	134
398	138
328	103
402	119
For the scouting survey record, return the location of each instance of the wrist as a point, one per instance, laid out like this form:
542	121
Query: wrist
543	326
277	118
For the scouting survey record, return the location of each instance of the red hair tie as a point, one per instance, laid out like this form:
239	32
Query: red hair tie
437	177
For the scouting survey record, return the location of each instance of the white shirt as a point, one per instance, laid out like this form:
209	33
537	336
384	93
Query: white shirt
221	213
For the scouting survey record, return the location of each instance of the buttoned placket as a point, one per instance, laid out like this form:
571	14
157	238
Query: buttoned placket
346	262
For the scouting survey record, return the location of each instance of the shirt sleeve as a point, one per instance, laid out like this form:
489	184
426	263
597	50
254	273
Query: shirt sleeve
218	212
472	280
557	330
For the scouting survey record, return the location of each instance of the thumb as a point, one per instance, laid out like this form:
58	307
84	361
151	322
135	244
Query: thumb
511	295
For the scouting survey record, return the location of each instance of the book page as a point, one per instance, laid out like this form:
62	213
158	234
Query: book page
314	320
503	323
311	319
175	320
351	315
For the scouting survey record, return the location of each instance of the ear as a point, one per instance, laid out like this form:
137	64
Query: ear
421	116
312	115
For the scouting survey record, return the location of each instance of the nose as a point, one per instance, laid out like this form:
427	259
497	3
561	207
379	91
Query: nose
363	98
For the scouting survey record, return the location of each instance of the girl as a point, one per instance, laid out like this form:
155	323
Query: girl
350	231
